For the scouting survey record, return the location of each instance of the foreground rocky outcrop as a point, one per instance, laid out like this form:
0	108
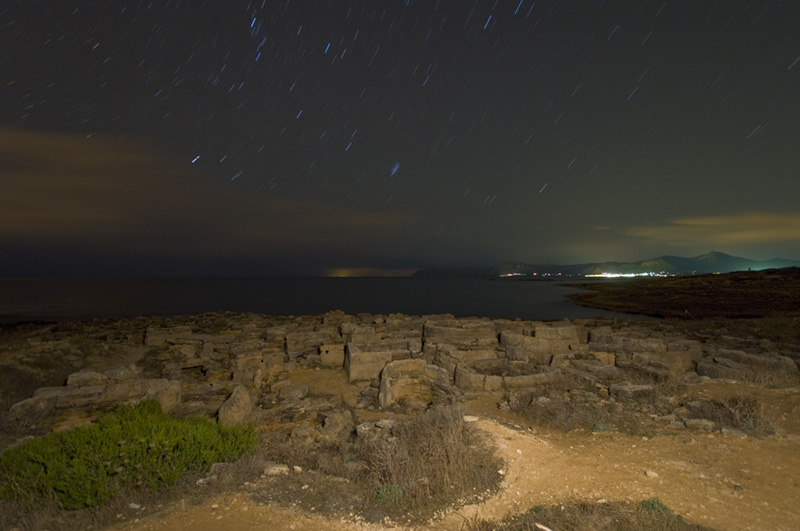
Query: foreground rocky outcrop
235	366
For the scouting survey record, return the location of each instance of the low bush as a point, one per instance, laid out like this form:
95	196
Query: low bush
650	514
410	471
429	462
747	413
564	402
134	447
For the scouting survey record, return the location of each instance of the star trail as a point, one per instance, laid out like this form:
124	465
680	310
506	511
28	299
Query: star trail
296	137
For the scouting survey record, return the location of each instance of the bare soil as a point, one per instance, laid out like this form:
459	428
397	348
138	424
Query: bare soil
720	481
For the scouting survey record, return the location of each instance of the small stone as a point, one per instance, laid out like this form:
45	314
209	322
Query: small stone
276	470
700	424
650	474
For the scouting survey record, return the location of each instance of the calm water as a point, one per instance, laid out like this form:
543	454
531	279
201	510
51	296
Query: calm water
53	299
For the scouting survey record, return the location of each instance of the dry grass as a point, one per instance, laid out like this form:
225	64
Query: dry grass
422	465
430	462
565	402
747	413
649	514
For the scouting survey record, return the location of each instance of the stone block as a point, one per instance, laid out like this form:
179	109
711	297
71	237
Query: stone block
78	397
608	358
469	334
437	374
236	409
331	355
272	362
511	339
32	408
767	362
632	392
124	391
167	392
653	344
364	365
700	424
87	378
492	382
517	353
720	367
155	337
525	380
246	348
119	374
292	393
404	381
469	380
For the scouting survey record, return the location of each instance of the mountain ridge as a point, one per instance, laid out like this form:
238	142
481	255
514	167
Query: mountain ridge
711	262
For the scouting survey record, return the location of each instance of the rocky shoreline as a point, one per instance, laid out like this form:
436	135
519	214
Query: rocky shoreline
236	367
316	383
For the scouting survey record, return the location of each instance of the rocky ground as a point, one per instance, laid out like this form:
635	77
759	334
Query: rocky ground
702	414
746	294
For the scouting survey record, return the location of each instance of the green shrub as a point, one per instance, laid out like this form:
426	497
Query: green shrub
389	492
653	505
135	446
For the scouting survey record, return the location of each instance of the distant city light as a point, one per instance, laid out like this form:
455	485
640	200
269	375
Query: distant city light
628	275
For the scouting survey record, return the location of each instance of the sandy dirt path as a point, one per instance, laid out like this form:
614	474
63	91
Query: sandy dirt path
724	482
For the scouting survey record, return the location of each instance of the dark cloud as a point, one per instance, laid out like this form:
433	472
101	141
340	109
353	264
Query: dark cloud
109	196
281	137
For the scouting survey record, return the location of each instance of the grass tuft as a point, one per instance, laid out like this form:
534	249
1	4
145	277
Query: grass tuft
134	447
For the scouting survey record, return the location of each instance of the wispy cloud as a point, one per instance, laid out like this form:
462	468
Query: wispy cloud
743	228
115	193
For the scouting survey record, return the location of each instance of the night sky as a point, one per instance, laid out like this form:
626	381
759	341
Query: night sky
304	137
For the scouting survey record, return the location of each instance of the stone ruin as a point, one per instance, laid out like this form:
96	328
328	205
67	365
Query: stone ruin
238	370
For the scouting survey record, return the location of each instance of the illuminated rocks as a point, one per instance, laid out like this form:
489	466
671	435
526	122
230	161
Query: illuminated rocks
194	365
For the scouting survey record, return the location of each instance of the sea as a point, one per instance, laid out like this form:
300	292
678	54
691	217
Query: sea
26	300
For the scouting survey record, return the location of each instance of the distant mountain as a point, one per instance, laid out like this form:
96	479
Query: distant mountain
713	262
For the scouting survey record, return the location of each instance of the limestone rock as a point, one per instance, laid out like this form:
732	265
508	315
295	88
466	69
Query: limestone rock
332	355
236	408
32	408
167	392
87	378
364	364
337	424
700	424
405	381
292	393
119	374
469	380
720	367
768	362
632	392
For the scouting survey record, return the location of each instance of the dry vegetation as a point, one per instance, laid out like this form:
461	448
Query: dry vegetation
651	515
751	294
424	464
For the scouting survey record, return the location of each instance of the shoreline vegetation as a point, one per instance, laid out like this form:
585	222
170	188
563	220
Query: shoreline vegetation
333	448
741	295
